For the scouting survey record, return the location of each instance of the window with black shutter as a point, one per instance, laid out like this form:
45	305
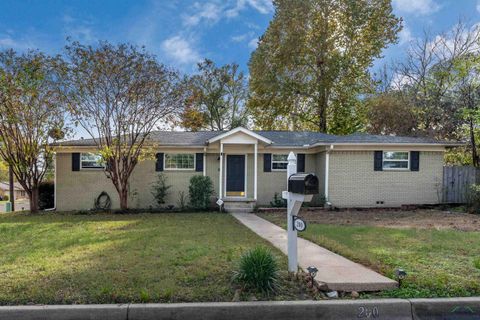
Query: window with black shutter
267	162
159	162
199	162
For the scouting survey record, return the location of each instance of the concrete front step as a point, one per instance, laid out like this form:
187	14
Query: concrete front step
239	206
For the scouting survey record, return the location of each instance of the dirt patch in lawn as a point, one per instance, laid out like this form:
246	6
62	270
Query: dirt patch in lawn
420	218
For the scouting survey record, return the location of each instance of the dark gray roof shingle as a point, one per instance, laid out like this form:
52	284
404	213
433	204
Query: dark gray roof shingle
279	138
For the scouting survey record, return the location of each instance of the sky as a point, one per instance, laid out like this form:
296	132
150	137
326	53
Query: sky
182	32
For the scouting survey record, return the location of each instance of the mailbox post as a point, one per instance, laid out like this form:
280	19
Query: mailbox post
301	188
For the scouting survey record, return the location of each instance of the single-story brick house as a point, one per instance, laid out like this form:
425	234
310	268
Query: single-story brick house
357	170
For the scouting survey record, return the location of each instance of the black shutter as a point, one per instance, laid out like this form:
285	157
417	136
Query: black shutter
159	162
76	161
267	162
301	162
414	161
199	162
378	161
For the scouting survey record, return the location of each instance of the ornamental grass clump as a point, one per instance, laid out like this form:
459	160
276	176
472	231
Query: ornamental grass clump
258	270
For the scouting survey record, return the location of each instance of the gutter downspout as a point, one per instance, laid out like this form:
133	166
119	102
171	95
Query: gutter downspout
204	161
327	168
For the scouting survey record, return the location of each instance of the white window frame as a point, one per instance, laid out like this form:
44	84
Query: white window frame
100	167
396	160
276	161
179	169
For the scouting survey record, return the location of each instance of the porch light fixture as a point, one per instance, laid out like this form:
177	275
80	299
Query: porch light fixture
312	271
400	274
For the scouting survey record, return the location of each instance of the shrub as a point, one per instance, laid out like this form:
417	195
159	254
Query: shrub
258	269
5	197
278	201
46	195
473	198
182	201
200	191
160	189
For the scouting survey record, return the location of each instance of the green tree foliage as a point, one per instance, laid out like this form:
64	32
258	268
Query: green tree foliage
217	98
388	114
119	94
30	116
312	63
3	171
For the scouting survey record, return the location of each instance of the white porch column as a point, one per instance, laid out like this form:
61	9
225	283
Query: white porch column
255	171
221	172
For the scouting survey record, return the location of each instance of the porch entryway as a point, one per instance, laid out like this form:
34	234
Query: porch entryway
236	176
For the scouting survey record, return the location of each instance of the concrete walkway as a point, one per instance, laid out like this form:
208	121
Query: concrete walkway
336	271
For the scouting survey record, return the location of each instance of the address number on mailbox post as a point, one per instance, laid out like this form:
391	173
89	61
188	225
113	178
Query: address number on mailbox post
299	224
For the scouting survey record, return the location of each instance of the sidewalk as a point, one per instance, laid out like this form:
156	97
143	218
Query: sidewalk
336	271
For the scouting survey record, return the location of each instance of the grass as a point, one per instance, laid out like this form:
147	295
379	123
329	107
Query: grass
59	259
439	263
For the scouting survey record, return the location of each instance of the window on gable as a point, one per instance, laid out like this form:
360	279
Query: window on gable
279	161
179	161
91	161
396	160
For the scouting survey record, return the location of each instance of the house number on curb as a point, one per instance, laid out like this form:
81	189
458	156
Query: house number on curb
299	224
367	313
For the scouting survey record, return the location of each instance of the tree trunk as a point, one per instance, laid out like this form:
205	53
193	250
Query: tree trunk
123	194
475	160
322	114
34	200
12	186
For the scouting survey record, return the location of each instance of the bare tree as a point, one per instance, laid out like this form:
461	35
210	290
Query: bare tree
119	94
427	78
30	117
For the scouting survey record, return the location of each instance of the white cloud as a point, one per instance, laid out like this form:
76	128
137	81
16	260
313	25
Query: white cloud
405	36
417	7
262	6
253	44
21	44
209	12
78	29
239	38
242	37
180	50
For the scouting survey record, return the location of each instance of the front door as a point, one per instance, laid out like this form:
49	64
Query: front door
235	176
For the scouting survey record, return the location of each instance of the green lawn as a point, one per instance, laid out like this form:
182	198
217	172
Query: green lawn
57	258
439	263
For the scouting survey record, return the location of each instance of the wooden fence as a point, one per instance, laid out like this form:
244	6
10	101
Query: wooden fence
456	181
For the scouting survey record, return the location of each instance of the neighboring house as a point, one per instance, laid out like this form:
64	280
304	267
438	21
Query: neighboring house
19	192
357	170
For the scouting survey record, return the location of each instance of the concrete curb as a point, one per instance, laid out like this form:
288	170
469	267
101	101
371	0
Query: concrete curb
396	309
66	312
277	310
454	308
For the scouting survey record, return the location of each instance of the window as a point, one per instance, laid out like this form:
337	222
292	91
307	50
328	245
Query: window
91	161
180	161
394	160
279	161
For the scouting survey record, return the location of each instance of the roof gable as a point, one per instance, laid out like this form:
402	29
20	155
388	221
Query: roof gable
237	131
